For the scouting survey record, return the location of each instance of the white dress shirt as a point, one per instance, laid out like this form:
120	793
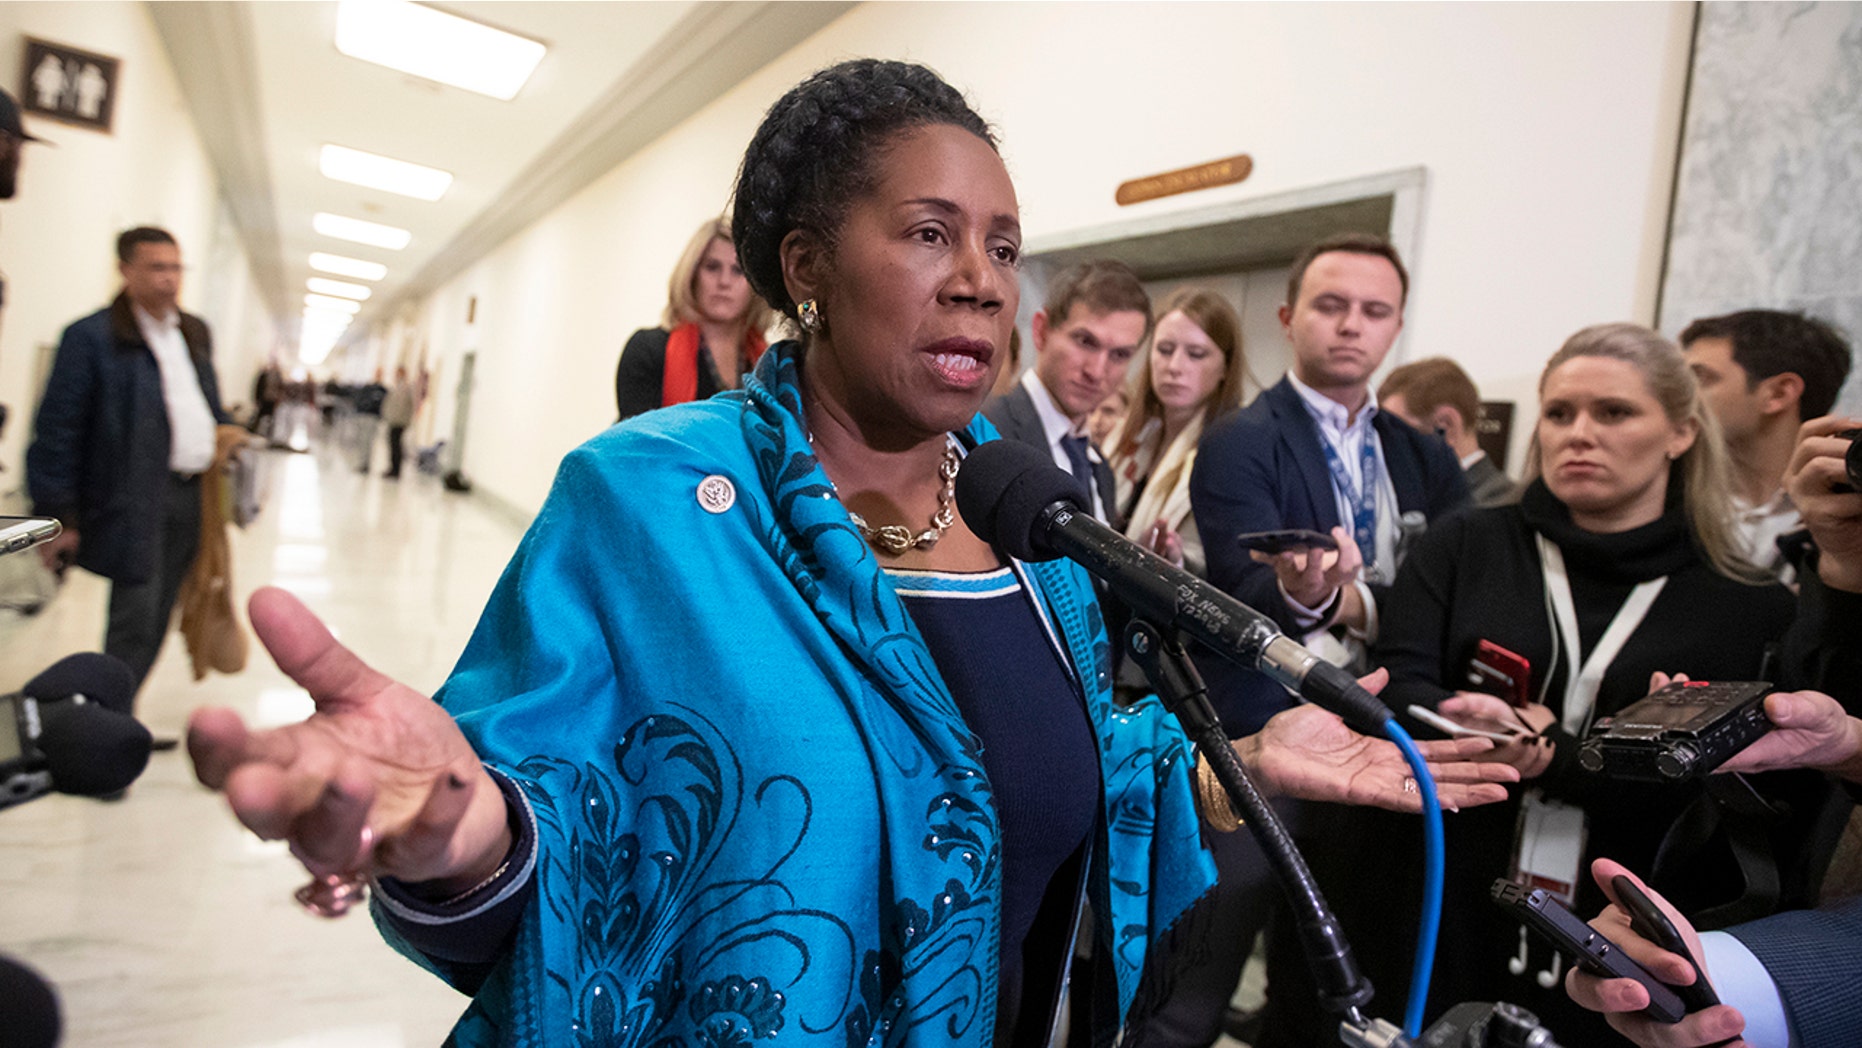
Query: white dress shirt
190	422
1761	526
1054	425
1347	436
1740	980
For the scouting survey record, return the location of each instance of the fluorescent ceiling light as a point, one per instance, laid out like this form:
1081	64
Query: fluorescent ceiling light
373	234
317	335
342	266
347	307
437	46
339	288
384	173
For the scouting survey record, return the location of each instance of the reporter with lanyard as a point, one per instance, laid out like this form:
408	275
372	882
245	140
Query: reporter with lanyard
1617	561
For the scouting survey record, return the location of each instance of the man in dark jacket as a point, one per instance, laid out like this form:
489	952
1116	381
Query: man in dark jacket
1085	335
124	432
1314	453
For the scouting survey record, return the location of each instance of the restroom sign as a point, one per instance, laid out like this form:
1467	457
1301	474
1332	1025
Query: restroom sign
68	85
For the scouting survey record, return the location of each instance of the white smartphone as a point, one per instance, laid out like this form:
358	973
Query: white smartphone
18	533
1448	727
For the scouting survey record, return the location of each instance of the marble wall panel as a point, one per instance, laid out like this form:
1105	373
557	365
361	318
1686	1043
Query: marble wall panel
1768	206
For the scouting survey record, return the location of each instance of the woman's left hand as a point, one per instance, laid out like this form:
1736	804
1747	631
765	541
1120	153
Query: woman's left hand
1532	754
1309	753
1164	541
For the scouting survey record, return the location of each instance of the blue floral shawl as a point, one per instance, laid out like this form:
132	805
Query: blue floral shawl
759	812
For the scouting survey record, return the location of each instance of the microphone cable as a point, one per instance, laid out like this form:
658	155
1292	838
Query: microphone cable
1434	865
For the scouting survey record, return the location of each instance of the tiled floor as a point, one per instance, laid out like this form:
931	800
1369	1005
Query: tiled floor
159	920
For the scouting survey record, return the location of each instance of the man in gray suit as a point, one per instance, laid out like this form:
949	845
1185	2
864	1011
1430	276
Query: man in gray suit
1085	335
1435	396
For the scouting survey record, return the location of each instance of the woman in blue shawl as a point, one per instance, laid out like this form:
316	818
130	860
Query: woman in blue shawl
755	738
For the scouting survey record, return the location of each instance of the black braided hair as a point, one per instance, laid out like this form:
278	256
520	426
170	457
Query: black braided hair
814	155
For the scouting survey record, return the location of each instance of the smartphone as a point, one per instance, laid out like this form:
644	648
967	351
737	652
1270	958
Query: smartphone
1285	539
1585	946
1652	924
18	533
1456	730
1496	671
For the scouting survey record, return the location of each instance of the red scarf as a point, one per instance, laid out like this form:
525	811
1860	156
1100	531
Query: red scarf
679	379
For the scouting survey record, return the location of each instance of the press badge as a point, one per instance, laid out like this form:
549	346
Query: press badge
1548	846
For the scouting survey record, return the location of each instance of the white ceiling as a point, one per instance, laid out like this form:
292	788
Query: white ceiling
268	89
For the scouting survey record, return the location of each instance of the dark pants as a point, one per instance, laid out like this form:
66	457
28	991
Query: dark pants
395	433
1208	947
140	611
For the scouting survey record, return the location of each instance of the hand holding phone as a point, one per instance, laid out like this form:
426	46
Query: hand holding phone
1162	540
1584	945
1647	920
1494	670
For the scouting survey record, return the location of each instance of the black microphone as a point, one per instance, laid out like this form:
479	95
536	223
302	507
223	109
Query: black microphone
29	1007
67	738
1014	497
89	750
88	676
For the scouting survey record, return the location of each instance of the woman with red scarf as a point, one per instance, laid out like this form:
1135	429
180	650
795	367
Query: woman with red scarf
712	333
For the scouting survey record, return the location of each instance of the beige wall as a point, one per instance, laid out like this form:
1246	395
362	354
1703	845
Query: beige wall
1547	133
57	235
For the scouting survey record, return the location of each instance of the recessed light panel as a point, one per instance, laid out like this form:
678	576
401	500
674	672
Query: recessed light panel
338	288
347	306
384	173
373	234
317	334
436	46
343	266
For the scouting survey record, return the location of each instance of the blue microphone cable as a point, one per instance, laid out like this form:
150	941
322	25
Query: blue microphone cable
1433	867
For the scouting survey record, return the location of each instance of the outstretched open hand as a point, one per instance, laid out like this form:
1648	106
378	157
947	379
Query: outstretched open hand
1310	753
379	781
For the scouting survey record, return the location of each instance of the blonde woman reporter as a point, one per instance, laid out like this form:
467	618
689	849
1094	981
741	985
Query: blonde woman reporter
1192	373
712	333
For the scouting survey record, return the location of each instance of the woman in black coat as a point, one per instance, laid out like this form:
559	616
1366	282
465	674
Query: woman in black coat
1618	560
712	333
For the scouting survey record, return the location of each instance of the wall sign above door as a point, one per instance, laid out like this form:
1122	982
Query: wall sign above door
1185	180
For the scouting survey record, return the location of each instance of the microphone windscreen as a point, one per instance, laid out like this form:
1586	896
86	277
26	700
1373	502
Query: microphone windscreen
28	1007
89	750
1002	489
103	679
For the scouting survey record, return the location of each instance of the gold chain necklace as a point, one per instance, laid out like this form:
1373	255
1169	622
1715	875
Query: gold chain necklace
895	539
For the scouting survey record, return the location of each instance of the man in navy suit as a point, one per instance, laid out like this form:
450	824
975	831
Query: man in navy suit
1085	335
1313	452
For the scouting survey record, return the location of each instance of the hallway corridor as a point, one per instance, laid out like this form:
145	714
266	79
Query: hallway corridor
159	919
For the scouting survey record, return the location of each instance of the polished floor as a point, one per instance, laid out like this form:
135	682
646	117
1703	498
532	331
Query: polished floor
162	922
159	920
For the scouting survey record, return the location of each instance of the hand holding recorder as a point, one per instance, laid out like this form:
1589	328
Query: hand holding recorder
1636	920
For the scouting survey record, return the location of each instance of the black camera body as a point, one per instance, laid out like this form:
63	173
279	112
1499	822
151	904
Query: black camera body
1852	461
1683	731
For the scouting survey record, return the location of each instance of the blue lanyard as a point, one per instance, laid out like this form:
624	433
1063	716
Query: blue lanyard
1363	497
